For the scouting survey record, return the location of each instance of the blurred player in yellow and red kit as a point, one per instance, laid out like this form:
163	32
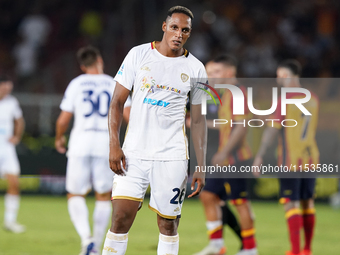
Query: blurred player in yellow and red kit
297	147
233	150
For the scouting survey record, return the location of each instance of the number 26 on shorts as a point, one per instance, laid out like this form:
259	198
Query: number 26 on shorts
179	196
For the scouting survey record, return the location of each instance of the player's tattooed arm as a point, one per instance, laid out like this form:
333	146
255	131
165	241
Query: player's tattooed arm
116	156
269	135
19	127
199	137
62	124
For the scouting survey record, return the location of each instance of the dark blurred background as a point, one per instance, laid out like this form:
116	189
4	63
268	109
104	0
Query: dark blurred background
39	40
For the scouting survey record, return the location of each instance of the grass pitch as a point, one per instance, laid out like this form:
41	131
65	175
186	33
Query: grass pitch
50	231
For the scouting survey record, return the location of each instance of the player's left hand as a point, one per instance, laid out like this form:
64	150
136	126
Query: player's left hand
218	158
199	178
14	140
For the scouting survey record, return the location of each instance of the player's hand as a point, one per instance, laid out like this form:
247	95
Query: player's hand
257	162
14	140
117	160
199	178
218	158
60	144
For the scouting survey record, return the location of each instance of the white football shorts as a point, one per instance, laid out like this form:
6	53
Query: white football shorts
167	181
83	173
9	163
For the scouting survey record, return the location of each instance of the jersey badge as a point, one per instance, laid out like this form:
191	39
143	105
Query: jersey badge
184	77
121	70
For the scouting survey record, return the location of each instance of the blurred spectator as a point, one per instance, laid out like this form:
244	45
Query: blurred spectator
33	32
25	56
35	28
259	34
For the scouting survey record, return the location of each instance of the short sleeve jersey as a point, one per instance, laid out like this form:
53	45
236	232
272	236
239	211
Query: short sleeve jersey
9	111
297	145
88	97
160	87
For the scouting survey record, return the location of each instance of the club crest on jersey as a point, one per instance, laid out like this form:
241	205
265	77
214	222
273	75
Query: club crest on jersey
184	77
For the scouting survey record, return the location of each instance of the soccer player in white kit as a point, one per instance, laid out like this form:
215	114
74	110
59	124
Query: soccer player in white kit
88	97
155	147
12	126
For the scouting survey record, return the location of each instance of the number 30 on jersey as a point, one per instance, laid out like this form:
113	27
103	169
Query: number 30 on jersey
99	104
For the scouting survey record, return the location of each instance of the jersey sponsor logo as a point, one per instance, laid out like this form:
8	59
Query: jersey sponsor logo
184	77
155	102
145	68
120	72
163	87
149	83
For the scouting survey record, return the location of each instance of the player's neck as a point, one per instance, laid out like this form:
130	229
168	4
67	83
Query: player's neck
94	70
165	50
295	84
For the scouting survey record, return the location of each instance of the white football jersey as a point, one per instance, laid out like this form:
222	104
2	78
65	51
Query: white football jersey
160	87
9	111
88	97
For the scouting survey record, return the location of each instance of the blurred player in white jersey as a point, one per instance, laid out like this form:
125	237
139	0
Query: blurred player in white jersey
87	98
155	147
12	126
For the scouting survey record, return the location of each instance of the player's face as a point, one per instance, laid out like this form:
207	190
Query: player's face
177	30
5	88
284	77
219	70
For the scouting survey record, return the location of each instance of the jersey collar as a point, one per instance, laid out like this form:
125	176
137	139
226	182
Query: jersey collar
153	46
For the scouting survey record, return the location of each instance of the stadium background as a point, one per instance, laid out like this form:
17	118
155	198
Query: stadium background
38	41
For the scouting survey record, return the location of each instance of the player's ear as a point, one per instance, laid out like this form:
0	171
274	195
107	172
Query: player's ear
83	68
164	26
100	60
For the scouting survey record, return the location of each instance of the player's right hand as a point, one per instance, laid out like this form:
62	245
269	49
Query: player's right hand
199	178
117	160
60	144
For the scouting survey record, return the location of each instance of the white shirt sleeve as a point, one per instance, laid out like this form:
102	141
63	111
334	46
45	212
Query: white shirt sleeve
128	102
67	103
127	71
17	112
198	87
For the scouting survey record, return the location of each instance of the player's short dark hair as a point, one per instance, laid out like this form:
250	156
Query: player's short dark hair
87	56
292	65
180	9
226	59
4	78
